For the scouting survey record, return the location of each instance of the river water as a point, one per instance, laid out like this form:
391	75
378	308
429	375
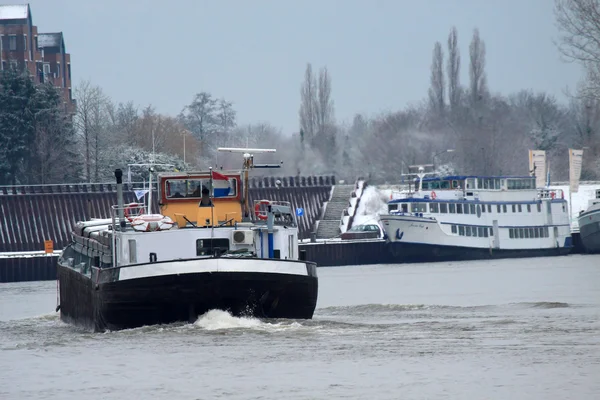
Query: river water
506	329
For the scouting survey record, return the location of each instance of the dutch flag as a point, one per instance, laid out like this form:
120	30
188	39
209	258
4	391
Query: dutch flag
220	184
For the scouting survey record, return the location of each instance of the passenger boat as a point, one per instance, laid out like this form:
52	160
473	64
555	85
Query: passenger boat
206	249
477	217
589	225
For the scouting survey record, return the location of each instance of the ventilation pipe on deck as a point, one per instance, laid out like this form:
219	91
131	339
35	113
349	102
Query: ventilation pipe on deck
120	202
270	223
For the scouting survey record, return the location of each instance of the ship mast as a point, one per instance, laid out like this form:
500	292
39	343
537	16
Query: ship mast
246	166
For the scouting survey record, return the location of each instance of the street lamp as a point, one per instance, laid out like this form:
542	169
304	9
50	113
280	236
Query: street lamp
437	154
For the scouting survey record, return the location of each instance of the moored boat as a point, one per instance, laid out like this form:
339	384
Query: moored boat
589	225
477	217
206	249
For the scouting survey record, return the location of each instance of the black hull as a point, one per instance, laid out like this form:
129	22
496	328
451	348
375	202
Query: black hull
172	298
402	252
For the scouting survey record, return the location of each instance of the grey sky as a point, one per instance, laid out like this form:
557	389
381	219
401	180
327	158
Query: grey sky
254	53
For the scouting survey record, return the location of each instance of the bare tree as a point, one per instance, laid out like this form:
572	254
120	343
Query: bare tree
308	105
477	68
225	117
453	69
579	24
199	117
90	120
437	88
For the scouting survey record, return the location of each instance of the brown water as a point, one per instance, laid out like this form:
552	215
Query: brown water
509	329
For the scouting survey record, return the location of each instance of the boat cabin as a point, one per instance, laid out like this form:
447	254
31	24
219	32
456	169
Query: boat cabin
479	183
188	197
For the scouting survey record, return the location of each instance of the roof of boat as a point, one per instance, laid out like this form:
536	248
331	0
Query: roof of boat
197	173
462	177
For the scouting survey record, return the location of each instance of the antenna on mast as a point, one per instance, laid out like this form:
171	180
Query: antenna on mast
249	164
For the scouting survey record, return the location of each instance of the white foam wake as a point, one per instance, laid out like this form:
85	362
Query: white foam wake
218	319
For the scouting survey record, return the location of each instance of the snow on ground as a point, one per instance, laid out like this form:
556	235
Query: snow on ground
373	202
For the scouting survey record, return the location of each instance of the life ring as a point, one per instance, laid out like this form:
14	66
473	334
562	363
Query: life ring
151	222
433	195
129	207
262	215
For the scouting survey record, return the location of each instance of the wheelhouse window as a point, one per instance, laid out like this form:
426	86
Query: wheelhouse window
444	208
192	188
210	247
434	208
472	208
452	208
459	208
418	207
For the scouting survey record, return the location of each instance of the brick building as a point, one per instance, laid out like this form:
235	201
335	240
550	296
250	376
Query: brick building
43	55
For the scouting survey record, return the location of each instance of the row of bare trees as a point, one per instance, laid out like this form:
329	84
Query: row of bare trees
489	133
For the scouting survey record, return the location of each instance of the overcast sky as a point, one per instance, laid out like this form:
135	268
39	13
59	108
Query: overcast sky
254	53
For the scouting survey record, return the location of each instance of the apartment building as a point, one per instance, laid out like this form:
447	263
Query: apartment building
43	55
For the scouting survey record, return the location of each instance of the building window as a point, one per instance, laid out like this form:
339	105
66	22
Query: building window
3	65
69	70
70	95
14	64
58	70
12	42
24	42
36	43
46	68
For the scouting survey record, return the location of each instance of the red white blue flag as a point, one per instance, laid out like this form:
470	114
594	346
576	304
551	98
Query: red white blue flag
220	184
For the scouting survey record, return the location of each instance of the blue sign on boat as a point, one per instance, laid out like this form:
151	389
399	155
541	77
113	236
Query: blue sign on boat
299	212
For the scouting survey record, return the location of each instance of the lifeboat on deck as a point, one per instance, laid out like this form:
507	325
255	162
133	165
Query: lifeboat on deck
151	223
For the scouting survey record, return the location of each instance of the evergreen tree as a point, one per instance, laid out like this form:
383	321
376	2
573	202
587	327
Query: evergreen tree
17	123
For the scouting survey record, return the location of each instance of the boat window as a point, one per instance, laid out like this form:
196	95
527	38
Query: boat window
192	188
434	208
392	207
445	185
471	183
528	208
489	208
491	231
209	247
461	230
482	208
459	208
485	231
504	208
498	207
443	208
480	183
455	185
521	233
404	207
132	251
452	208
474	231
514	208
539	207
454	229
564	207
511	233
519	207
546	233
526	233
466	208
536	232
434	185
467	231
472	208
418	207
